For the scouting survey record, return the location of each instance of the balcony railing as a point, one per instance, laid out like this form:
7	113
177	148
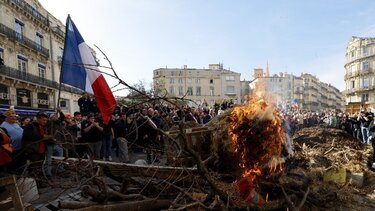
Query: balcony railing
230	93
13	35
59	32
17	74
14	73
29	9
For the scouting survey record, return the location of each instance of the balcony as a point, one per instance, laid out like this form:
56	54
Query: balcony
230	93
30	10
358	73
15	73
59	32
359	90
13	35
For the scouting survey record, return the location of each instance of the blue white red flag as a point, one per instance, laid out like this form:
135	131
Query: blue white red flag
79	69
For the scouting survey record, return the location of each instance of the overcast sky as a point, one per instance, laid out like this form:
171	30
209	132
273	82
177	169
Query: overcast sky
294	36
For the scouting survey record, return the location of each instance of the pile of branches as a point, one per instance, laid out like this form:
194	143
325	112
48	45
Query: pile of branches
300	185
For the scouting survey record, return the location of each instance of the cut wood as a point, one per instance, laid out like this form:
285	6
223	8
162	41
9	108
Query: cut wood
132	170
145	205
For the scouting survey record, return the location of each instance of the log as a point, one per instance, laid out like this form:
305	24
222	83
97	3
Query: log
145	205
110	194
133	170
75	204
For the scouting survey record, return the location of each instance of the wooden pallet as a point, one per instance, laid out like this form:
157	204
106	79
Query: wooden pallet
198	139
16	201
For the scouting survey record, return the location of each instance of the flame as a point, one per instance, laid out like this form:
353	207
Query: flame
257	135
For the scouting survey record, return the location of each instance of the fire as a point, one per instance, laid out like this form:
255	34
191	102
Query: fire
258	136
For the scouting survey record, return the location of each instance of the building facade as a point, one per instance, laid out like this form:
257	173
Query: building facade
304	92
211	85
31	46
359	73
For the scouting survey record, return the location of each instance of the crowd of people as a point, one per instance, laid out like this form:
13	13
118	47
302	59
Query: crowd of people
30	140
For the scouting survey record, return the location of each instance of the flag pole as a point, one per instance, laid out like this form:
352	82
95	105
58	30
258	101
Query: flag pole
62	60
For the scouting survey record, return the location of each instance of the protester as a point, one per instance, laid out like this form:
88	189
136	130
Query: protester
34	140
93	134
120	129
53	147
108	135
15	133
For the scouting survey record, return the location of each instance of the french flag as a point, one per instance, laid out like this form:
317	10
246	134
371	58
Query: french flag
79	69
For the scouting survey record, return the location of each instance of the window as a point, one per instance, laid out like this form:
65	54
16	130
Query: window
180	90
190	91
197	80
189	80
23	97
212	91
229	78
365	83
180	80
211	81
230	89
353	84
39	40
172	74
198	91
64	104
171	90
42	71
35	10
353	54
4	94
171	80
365	51
365	97
42	100
365	66
19	29
22	64
1	57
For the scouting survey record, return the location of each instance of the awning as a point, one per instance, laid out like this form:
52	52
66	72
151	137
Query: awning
27	111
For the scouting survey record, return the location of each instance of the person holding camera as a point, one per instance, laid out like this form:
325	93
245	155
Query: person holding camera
92	134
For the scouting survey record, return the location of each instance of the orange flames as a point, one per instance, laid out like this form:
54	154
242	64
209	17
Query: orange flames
257	136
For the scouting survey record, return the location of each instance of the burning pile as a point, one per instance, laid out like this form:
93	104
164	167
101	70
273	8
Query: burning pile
257	136
248	142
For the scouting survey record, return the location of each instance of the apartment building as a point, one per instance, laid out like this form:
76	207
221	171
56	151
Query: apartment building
214	84
305	91
359	73
31	46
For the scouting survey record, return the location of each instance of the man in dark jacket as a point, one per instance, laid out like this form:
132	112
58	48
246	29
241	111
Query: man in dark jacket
93	134
84	104
34	139
120	130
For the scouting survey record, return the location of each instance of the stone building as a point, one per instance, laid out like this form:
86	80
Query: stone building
214	84
305	91
31	46
359	73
